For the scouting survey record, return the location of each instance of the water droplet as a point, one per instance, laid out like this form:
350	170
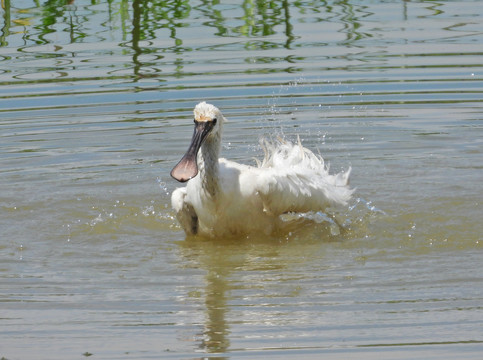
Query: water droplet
334	229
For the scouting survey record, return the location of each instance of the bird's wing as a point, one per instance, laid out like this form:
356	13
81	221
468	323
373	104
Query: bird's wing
292	179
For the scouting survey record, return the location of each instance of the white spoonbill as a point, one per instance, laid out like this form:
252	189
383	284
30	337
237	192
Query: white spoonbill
224	198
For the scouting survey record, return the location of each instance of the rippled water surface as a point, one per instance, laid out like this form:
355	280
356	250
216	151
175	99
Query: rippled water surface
95	109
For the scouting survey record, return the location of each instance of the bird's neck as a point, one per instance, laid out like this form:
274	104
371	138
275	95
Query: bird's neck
208	164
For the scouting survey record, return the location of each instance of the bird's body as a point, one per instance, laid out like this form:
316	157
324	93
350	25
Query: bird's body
224	198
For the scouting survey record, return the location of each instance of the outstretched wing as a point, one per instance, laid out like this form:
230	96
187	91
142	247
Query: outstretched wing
293	179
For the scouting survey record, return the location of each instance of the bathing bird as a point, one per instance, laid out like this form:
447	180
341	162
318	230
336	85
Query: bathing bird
225	198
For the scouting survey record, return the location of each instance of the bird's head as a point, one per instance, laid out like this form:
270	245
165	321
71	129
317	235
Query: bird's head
210	115
208	125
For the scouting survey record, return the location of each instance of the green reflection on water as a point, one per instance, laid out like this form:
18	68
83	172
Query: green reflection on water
146	31
258	19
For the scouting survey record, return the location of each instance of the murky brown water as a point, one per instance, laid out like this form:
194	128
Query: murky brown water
95	109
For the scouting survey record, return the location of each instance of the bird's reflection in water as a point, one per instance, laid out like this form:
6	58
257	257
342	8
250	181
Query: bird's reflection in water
237	267
221	260
216	332
214	259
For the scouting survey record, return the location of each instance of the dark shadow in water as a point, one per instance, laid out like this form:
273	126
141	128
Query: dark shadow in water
52	12
6	23
288	25
148	17
136	35
351	16
260	19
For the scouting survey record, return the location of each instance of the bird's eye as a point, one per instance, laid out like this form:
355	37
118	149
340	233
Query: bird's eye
214	121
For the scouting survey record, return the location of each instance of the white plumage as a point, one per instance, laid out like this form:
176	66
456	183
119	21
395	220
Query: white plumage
224	198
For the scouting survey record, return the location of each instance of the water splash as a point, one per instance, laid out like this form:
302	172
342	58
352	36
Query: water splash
163	186
360	202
